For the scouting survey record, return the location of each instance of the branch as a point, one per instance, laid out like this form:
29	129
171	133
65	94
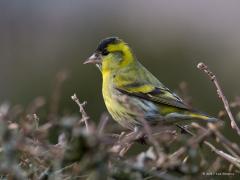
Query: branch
197	139
224	155
230	146
213	78
85	117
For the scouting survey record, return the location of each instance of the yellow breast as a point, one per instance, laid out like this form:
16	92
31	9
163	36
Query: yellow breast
114	105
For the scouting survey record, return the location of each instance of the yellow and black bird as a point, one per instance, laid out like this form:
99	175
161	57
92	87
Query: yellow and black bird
131	92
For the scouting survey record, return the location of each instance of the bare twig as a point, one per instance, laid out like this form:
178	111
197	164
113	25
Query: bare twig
153	141
224	155
213	78
228	145
85	117
125	141
224	140
103	122
208	132
195	140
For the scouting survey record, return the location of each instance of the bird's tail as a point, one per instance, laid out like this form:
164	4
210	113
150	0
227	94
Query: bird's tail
189	116
201	116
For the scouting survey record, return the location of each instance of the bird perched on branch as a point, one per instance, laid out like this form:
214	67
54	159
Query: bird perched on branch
132	93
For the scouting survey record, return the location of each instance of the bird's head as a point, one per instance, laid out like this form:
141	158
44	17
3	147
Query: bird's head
111	54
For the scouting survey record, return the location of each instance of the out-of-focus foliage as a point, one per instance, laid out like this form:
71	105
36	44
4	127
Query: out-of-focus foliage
62	147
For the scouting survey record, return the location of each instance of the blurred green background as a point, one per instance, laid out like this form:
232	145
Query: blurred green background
40	38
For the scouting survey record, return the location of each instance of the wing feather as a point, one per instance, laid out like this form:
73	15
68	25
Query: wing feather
157	95
138	81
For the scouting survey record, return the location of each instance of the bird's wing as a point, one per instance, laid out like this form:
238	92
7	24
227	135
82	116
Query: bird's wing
160	95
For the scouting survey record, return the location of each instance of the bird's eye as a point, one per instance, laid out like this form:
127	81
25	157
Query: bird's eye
105	52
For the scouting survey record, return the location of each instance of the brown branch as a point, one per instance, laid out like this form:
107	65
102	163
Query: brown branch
230	146
213	78
102	123
197	139
224	140
224	155
85	117
151	138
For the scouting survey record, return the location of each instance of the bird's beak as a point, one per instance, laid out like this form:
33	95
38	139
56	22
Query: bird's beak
94	59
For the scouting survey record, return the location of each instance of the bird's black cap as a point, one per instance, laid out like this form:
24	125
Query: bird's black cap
104	43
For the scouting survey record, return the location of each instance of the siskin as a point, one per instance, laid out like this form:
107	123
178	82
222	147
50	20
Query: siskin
131	92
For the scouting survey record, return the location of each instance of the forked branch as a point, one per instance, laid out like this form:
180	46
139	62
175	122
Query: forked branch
213	78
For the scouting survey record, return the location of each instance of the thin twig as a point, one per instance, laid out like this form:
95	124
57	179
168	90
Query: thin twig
219	152
64	168
224	155
213	78
102	123
85	117
224	140
232	148
153	141
125	141
196	139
